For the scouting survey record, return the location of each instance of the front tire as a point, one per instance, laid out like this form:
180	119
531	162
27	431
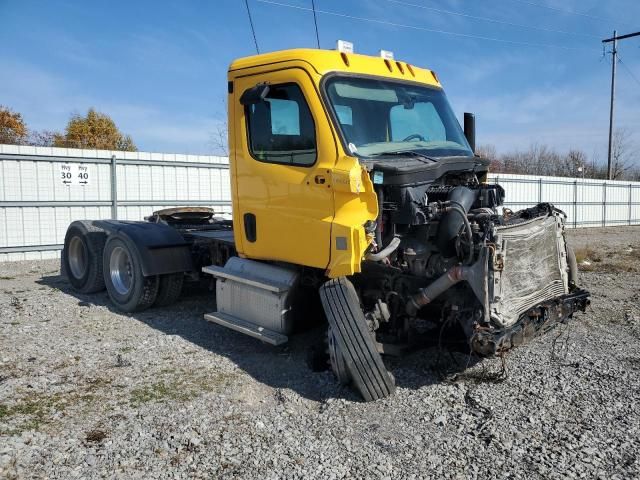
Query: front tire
356	358
128	288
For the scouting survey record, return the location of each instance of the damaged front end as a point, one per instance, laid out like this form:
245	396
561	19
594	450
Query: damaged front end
530	281
522	279
500	278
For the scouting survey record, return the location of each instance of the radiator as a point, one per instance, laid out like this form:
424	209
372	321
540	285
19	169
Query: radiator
532	267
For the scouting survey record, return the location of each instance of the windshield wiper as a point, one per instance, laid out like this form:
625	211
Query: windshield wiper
401	153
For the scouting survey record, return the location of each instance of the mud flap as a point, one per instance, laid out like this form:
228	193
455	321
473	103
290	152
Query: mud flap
342	307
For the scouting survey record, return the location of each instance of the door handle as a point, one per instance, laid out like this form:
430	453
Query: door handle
320	179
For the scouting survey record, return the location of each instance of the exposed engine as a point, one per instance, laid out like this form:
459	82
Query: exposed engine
447	254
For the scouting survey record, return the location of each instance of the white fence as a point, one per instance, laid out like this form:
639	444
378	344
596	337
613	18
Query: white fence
587	202
36	205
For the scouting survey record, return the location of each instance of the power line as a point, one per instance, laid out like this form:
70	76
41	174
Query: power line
621	37
629	71
253	31
424	29
491	20
315	22
570	12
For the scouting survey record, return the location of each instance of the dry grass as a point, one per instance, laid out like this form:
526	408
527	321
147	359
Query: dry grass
608	260
587	254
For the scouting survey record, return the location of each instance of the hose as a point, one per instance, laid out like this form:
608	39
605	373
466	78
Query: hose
457	208
380	195
388	250
460	199
426	295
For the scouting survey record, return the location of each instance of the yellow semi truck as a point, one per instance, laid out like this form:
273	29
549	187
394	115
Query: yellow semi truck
355	193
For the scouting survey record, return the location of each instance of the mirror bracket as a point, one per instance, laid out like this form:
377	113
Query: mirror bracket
254	95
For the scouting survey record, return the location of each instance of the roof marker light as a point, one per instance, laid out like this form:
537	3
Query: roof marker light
344	47
386	54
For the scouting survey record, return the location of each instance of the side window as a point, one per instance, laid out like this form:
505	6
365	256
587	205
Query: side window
281	128
404	120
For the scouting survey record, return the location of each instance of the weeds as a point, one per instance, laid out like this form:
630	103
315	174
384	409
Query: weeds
33	411
179	389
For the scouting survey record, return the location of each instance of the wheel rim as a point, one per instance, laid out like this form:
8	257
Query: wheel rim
121	270
78	257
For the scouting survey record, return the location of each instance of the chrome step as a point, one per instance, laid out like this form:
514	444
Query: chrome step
248	328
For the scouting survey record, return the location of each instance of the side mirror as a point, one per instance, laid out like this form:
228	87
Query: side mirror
470	129
254	95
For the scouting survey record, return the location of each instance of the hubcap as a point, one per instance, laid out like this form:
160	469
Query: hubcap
78	257
121	270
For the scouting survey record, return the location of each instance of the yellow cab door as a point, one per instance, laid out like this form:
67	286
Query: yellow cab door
282	156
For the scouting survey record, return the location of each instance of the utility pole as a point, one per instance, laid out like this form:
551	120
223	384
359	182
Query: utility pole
614	57
614	54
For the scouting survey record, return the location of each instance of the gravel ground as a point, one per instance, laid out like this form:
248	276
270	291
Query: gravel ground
89	393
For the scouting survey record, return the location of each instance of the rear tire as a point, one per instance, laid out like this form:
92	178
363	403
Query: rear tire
169	289
128	288
355	347
81	259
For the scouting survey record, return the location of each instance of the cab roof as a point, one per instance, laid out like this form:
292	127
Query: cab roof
325	61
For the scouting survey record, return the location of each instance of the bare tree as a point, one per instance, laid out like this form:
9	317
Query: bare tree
574	164
219	138
42	138
621	159
489	152
544	160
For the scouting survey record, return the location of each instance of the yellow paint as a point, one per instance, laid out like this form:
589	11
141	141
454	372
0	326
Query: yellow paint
305	214
326	61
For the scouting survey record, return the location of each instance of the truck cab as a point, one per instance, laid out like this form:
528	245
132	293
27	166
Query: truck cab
305	129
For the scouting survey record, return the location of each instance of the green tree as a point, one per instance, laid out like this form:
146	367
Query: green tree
13	130
95	130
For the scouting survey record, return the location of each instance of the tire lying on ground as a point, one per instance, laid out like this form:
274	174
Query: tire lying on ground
128	289
82	256
169	289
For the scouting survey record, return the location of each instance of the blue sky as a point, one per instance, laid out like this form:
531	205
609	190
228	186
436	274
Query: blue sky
159	67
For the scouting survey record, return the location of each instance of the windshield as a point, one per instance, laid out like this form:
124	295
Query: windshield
378	117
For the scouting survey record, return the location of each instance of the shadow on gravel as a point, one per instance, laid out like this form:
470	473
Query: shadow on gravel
285	367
